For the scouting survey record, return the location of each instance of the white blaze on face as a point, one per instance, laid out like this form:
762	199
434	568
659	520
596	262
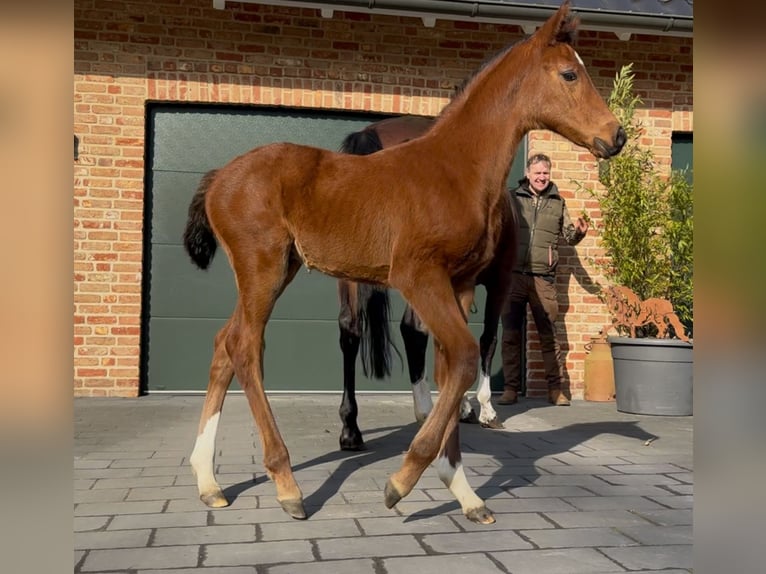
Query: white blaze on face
579	59
203	456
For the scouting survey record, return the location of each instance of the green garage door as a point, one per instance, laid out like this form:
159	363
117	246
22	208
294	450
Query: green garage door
185	307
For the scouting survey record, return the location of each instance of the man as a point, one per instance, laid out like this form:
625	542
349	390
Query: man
543	218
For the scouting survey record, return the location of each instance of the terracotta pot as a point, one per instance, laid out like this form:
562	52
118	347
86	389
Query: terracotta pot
599	371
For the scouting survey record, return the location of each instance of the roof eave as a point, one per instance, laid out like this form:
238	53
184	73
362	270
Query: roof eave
622	24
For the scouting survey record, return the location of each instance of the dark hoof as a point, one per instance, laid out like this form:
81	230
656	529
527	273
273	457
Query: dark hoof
470	418
294	508
391	496
482	515
352	441
493	424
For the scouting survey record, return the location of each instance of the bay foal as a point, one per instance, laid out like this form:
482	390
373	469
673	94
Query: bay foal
427	225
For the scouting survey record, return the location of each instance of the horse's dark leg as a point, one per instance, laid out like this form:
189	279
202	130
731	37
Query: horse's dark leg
415	337
487	345
350	336
497	280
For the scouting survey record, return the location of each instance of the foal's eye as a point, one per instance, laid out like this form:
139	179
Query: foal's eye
569	76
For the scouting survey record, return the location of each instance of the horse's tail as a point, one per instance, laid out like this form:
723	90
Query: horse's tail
199	239
376	344
373	302
363	142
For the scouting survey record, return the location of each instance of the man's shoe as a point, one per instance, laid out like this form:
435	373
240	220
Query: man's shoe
509	397
558	398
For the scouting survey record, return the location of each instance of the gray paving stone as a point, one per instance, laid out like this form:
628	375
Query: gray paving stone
81	463
637	479
165	471
204	535
121	453
473	563
221	570
568	469
133	482
252	516
258	553
138	558
108	495
667	517
563	561
659	535
409	525
146	462
595	518
88	523
163	493
549	491
584	480
576	537
507	504
675	501
190	480
94	473
116	539
657	468
613	503
353	510
685	477
680	488
623	490
327	567
488	540
160	520
382	546
652	557
102	508
376	496
311	529
78	554
506	521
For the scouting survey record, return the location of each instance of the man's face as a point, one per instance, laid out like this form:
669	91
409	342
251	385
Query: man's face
539	174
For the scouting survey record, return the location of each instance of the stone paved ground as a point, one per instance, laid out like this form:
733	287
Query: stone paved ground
583	489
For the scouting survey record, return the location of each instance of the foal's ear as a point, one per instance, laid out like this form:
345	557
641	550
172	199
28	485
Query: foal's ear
560	27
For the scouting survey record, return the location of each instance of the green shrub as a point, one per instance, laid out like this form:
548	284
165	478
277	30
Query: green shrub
646	228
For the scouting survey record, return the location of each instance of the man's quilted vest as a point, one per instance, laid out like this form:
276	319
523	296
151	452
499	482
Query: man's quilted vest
540	221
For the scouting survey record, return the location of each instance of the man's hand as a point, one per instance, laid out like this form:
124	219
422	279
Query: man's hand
582	226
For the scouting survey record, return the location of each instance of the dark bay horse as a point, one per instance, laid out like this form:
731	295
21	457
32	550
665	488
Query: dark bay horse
363	318
429	221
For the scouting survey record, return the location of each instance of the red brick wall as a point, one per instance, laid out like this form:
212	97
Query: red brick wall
164	50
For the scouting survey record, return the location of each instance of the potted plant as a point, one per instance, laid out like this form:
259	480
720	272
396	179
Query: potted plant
646	233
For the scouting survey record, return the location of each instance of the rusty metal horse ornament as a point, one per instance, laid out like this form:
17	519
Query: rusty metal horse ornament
427	225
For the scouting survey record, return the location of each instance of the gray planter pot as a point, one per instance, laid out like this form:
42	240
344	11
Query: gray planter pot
652	376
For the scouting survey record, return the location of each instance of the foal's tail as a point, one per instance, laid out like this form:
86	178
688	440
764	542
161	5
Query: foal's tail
199	239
